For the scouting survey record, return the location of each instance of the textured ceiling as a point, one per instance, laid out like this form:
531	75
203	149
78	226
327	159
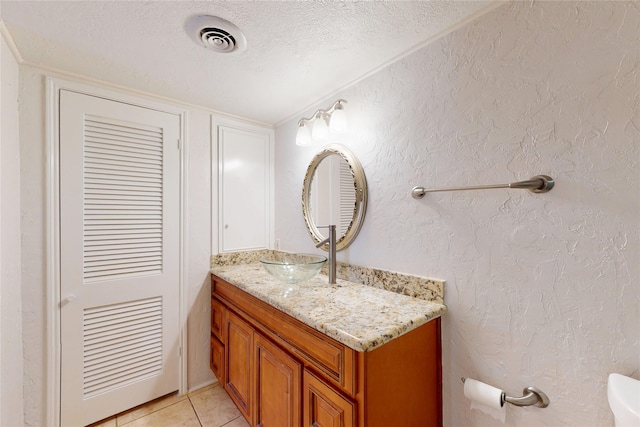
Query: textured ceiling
297	52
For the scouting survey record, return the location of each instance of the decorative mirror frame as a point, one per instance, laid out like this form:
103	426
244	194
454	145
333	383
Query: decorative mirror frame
360	206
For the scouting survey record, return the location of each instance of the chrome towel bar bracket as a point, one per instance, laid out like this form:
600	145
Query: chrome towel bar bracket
537	184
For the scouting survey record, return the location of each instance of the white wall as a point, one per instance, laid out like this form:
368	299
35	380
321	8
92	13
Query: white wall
32	159
543	290
198	249
11	403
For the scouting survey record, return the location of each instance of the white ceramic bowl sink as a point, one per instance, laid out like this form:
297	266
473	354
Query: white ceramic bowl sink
293	268
623	394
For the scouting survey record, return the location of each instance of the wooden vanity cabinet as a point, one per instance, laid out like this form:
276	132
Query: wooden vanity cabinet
216	356
282	373
239	363
217	319
263	380
323	406
277	385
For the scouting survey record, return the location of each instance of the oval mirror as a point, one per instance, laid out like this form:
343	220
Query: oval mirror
334	193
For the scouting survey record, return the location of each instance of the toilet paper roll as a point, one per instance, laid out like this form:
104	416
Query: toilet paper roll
485	398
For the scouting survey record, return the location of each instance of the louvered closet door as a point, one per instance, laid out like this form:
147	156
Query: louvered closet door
347	197
119	225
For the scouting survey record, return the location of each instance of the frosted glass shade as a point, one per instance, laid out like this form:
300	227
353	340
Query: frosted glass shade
320	130
303	137
338	123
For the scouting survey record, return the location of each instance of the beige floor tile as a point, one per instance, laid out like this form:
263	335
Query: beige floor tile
109	422
148	408
214	407
238	422
179	414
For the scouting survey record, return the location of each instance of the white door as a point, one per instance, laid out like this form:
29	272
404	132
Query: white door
245	189
119	238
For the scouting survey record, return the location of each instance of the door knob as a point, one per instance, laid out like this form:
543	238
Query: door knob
67	300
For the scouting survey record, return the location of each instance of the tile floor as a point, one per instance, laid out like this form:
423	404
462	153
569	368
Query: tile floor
207	407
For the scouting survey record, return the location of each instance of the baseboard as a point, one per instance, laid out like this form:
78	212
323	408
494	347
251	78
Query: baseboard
202	385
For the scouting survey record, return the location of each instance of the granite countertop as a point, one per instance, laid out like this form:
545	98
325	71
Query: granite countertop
361	317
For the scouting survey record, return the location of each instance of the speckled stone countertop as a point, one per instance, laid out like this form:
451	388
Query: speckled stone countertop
407	284
360	316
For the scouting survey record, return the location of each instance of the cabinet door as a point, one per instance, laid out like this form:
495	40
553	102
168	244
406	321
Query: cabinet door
245	185
216	361
278	379
239	360
323	406
217	316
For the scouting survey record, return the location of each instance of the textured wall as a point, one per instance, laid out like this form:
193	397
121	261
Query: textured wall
32	165
543	290
11	405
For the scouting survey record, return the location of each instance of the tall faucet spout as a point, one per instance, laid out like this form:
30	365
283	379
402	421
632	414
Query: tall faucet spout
332	251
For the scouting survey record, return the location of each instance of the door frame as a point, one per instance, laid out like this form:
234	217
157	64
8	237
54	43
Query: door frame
53	85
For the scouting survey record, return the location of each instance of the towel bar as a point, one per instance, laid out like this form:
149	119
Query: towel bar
537	184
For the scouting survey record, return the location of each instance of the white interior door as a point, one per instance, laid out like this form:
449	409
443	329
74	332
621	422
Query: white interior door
119	234
245	195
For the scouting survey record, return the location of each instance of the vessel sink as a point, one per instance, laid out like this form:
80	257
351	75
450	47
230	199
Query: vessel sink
293	268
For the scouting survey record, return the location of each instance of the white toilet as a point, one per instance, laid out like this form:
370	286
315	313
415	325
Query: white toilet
624	399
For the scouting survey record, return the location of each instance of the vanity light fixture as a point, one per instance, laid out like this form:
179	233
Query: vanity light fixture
322	124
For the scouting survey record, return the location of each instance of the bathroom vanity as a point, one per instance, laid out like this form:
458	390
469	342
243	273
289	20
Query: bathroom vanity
320	355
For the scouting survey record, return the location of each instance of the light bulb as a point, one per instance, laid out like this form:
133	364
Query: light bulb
320	130
303	137
338	123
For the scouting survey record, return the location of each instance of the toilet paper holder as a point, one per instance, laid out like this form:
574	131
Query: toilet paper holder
532	396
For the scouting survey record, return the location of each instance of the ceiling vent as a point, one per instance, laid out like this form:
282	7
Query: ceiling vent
216	34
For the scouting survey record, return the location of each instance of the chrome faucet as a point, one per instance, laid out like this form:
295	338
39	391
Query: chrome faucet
332	251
